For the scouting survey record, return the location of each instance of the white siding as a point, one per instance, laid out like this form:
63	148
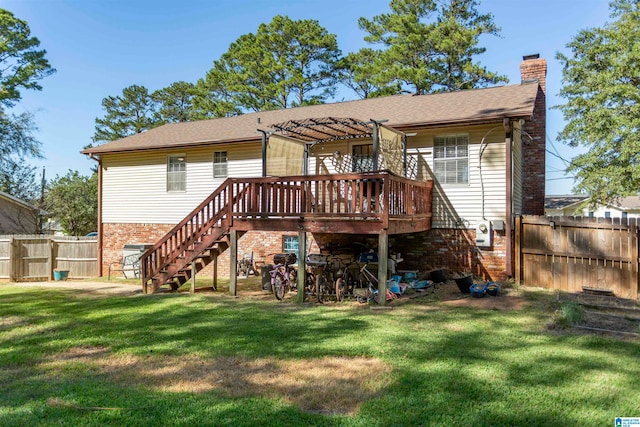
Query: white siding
484	195
134	186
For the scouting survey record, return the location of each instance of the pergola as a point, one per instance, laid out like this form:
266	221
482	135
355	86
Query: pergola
292	140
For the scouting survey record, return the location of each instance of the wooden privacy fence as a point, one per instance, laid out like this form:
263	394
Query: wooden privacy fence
574	253
35	257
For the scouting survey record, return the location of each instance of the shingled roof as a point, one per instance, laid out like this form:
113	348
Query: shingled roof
403	112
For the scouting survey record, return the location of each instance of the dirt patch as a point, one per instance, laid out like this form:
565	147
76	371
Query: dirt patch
10	322
446	293
332	385
449	294
604	314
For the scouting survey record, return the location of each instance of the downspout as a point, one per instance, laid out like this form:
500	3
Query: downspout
483	145
100	227
509	194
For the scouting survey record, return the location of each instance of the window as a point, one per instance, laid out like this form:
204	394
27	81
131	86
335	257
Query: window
625	215
362	158
290	244
592	214
451	159
220	164
607	214
177	173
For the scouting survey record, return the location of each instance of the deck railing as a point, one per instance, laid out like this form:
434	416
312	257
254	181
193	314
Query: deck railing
376	196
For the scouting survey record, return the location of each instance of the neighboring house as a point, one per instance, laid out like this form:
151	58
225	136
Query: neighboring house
563	205
52	227
483	152
626	207
18	216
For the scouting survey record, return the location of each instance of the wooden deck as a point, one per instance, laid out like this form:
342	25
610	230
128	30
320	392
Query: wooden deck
346	204
379	203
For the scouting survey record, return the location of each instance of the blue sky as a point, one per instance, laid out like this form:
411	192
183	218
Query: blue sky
101	47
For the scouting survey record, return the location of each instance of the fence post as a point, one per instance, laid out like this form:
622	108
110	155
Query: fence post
636	261
50	261
12	260
518	249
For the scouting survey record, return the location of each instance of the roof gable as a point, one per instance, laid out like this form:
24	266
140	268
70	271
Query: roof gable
12	199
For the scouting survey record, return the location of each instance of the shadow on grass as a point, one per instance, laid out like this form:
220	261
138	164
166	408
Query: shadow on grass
451	366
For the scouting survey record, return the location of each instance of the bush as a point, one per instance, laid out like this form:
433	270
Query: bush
569	314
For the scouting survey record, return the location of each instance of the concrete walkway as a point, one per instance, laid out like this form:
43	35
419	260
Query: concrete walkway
110	288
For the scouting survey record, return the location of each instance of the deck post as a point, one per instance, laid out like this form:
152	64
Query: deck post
375	140
192	289
383	255
233	261
214	279
302	264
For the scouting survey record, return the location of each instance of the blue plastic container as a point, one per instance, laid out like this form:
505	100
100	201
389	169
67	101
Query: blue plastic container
477	290
60	274
492	288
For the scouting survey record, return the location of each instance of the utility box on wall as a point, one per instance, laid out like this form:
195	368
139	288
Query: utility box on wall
483	234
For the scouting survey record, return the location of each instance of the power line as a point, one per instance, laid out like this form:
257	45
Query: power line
555	155
558	179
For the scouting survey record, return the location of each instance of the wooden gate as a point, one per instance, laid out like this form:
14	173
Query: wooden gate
35	257
574	253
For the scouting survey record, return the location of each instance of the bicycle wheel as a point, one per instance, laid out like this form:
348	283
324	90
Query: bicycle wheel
310	284
321	288
279	287
340	289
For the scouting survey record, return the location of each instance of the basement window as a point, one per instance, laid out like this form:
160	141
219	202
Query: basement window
451	159
220	164
290	244
177	173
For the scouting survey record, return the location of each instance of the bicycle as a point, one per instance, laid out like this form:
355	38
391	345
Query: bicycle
371	293
321	274
346	281
283	275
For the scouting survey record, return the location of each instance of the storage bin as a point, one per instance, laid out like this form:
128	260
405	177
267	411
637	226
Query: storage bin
476	290
464	283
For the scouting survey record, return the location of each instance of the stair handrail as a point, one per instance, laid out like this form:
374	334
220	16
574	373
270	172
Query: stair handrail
153	256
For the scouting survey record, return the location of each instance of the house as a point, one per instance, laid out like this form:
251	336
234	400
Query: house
18	216
626	207
461	164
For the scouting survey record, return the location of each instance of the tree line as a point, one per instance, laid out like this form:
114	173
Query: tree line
419	46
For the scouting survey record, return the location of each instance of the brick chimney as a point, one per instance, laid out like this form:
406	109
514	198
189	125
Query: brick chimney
532	69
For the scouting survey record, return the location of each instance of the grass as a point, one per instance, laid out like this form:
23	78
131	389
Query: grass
209	359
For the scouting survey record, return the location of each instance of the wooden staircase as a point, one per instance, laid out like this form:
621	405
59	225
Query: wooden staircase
191	245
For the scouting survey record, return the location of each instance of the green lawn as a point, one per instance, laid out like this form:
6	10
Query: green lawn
209	359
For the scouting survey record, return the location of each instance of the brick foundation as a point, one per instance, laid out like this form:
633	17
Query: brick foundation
453	249
115	236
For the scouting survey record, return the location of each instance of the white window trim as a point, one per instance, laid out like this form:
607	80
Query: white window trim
169	157
226	163
434	159
285	236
